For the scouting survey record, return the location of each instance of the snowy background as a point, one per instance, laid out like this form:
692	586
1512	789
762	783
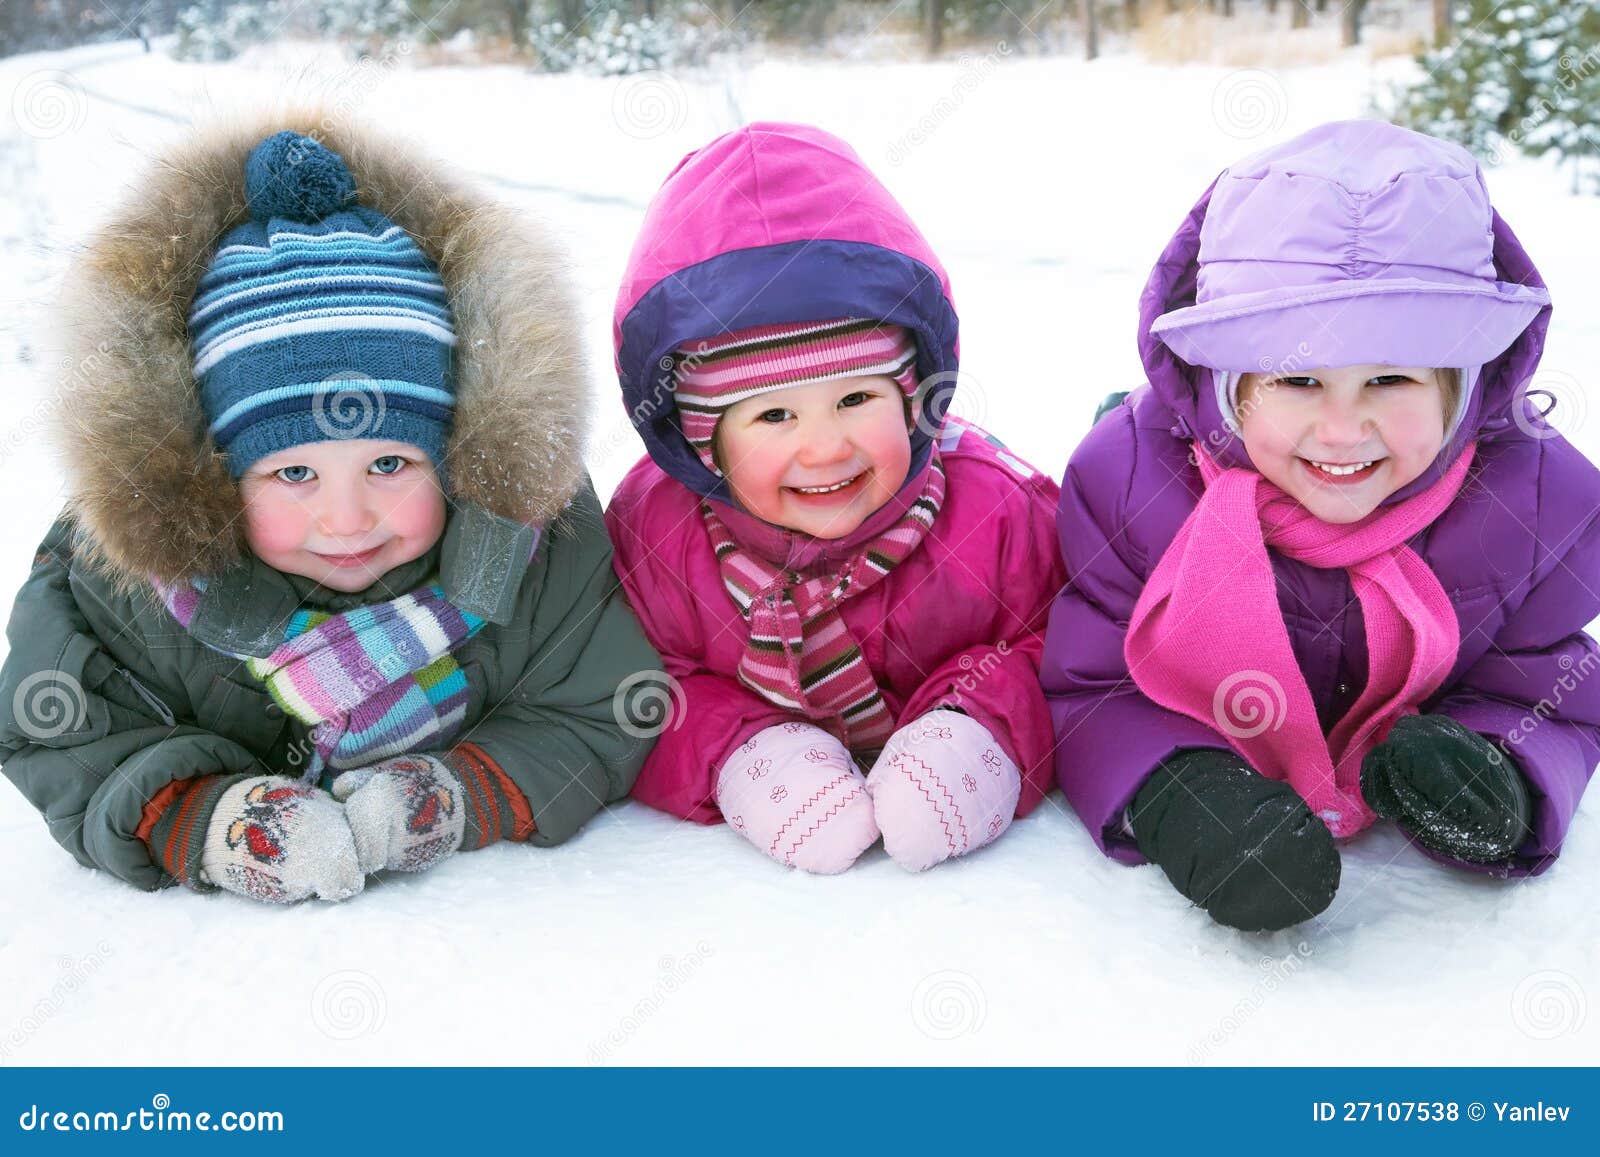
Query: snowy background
1048	186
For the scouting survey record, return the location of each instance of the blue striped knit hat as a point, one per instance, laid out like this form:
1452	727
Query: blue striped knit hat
319	319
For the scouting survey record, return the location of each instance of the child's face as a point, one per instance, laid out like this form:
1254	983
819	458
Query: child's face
1386	420
818	458
343	513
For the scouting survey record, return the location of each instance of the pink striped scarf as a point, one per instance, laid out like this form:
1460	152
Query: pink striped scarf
1206	638
800	654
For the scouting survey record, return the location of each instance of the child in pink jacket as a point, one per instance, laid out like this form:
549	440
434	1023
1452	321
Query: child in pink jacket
848	590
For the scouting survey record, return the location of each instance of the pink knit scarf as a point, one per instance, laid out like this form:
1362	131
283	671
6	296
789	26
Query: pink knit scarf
1206	638
800	654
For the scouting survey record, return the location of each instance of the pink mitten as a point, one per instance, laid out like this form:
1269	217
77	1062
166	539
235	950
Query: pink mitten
942	787
793	792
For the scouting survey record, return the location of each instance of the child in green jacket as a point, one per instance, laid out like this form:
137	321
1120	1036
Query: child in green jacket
331	592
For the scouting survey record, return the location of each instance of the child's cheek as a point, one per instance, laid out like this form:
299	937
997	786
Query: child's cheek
1269	439
417	517
1414	433
754	471
274	527
891	454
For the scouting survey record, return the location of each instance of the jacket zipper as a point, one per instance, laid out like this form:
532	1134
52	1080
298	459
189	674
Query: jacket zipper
149	697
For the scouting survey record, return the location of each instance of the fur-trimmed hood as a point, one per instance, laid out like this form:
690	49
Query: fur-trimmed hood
150	492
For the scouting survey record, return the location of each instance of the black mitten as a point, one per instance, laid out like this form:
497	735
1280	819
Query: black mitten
1245	848
1449	787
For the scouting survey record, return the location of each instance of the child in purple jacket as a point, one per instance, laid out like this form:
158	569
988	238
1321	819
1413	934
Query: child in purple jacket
1331	564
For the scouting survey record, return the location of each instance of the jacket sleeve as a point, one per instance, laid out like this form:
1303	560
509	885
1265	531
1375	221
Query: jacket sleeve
1536	691
567	732
997	683
82	738
1109	735
714	715
706	715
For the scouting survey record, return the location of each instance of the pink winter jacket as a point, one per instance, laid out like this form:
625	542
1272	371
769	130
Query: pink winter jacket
782	223
959	623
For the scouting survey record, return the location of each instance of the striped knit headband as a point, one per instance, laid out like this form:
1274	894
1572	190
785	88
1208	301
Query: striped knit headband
716	373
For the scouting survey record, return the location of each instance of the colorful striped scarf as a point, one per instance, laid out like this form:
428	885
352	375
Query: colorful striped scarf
800	654
371	682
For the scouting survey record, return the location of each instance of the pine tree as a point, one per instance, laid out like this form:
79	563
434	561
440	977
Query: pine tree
1477	90
1562	114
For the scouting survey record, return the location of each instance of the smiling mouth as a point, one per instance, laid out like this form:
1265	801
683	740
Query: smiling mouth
815	491
1342	471
349	559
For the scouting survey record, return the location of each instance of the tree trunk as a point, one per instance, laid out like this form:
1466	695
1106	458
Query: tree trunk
1300	14
1091	31
933	24
1351	22
1014	28
814	24
517	23
1441	22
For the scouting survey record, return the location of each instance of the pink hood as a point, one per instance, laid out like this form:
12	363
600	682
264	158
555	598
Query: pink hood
772	223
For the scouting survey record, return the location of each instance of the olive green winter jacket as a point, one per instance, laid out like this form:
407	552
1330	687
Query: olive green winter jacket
105	699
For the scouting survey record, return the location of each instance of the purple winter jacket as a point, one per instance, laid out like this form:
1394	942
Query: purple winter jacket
1518	553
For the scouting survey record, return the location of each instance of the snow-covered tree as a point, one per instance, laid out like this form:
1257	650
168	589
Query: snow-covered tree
213	30
1563	116
1520	75
613	44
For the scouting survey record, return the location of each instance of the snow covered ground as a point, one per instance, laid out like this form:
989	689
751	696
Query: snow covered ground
1048	186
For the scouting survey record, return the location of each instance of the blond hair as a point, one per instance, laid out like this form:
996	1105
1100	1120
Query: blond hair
1449	394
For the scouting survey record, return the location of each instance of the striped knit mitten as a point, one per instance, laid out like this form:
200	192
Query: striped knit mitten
793	791
942	787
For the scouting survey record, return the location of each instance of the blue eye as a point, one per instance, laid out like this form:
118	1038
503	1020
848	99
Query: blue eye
294	473
773	417
1300	382
388	464
1390	380
858	398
